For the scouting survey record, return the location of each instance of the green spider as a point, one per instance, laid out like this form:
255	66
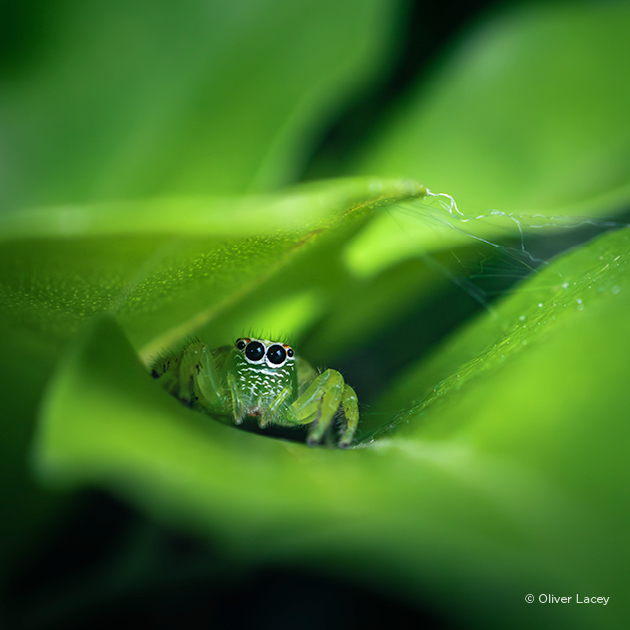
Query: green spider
258	377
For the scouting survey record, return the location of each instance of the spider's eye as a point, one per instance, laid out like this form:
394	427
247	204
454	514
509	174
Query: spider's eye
290	352
241	343
276	354
255	351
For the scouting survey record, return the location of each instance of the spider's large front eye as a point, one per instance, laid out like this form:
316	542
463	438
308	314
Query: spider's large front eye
255	351
276	354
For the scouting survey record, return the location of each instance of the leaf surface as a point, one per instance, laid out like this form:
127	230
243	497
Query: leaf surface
124	100
527	115
488	482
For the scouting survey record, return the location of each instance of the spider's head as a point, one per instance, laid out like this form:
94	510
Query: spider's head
263	370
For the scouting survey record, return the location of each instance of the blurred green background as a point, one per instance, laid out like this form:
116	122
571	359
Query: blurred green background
216	168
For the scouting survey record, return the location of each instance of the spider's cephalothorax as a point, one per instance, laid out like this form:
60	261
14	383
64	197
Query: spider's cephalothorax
263	378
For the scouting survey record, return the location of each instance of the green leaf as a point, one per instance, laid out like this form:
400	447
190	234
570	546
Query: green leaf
167	269
507	479
120	99
527	115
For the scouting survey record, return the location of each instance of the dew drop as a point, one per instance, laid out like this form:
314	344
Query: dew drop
616	289
540	304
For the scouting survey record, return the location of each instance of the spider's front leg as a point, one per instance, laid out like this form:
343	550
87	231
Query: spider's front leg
319	404
212	391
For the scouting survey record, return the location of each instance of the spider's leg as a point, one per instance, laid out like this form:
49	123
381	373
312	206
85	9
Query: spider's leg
237	403
350	405
278	411
319	404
